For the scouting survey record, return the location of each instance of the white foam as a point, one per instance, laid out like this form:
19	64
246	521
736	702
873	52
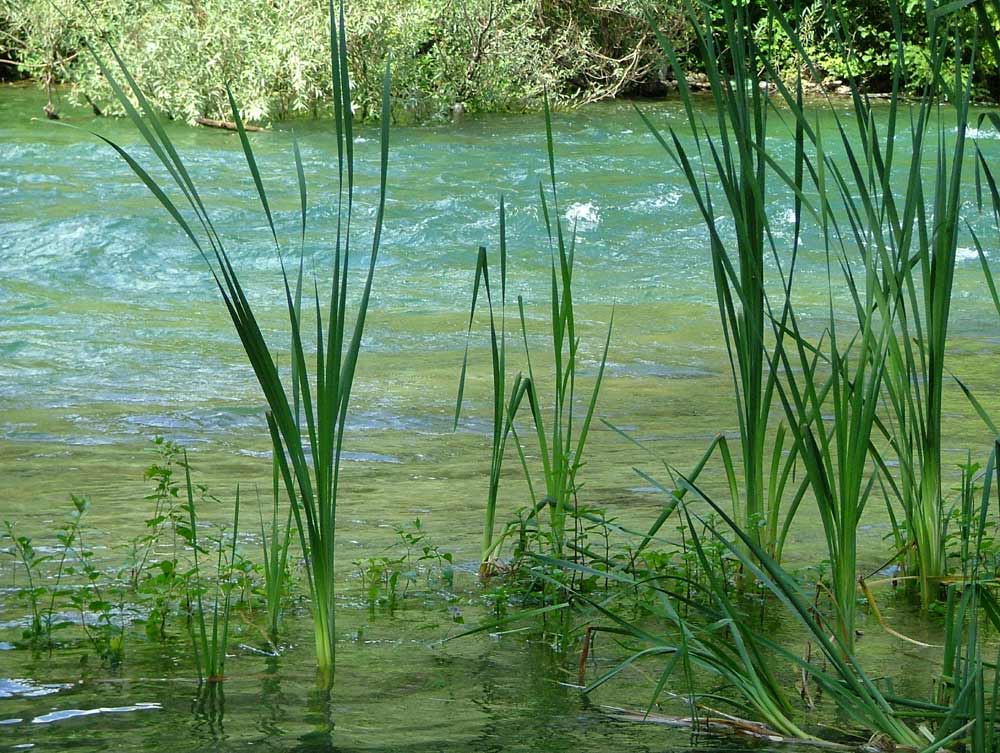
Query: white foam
57	716
659	202
583	215
981	133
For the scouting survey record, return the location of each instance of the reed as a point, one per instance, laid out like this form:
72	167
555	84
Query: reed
208	619
730	169
832	393
909	238
307	452
833	421
562	437
983	172
275	540
717	637
504	410
971	613
916	388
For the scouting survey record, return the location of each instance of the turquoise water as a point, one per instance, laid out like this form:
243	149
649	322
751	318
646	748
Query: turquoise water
107	304
111	332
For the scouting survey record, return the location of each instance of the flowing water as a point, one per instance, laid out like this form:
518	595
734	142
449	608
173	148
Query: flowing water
111	333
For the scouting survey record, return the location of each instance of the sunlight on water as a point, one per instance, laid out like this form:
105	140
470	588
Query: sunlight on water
111	332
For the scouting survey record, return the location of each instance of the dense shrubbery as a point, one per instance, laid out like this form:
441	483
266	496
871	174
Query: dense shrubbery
866	50
487	55
484	55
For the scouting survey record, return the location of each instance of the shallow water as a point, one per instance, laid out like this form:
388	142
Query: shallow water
111	332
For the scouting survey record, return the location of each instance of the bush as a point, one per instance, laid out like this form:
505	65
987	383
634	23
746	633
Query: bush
865	48
485	55
479	55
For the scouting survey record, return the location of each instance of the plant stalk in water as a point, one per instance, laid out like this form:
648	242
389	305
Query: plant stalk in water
308	457
734	161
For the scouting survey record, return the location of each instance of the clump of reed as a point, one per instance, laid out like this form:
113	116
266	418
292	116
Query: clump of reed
897	252
275	537
209	597
731	170
305	418
562	436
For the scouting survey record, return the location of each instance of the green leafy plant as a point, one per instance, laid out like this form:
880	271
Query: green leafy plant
308	457
561	439
386	579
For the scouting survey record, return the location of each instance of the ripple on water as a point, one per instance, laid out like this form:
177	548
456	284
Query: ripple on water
19	688
57	716
353	457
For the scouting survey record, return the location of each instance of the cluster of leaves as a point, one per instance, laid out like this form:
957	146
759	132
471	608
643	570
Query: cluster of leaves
75	593
64	587
388	577
479	55
856	39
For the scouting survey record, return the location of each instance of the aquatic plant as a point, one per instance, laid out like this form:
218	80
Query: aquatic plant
917	363
909	239
166	500
208	624
65	577
832	394
308	456
101	600
969	702
275	540
562	439
901	336
835	447
386	578
984	173
718	637
725	646
503	412
44	592
731	168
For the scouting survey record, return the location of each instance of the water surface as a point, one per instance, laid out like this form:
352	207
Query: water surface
111	332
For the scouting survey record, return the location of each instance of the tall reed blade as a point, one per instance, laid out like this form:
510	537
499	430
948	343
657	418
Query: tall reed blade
308	456
731	168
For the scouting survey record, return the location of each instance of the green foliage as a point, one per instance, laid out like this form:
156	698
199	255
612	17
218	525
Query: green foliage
730	171
209	596
46	40
64	580
275	539
562	438
857	39
386	579
477	55
30	561
481	55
